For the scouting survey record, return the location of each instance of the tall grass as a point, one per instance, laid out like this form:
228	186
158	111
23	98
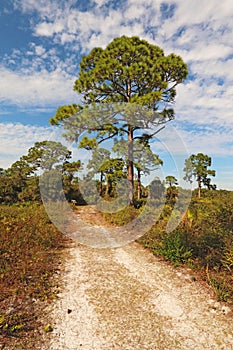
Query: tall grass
30	253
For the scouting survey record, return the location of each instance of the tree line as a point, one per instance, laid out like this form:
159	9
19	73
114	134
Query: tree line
128	92
20	182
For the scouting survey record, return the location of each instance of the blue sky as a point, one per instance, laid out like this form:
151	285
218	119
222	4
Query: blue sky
41	43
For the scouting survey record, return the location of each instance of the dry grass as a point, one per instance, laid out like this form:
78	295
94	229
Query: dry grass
30	254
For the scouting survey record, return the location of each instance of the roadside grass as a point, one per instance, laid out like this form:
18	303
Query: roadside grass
30	254
203	241
121	217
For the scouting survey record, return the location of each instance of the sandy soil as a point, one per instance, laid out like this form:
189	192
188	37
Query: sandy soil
126	298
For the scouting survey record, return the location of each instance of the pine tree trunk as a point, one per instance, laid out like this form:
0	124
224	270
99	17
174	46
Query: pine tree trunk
101	183
107	189
130	170
139	184
199	188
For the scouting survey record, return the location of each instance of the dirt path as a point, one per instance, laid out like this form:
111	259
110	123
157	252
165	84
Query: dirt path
127	299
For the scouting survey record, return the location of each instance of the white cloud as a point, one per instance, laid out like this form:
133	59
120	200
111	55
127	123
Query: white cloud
205	102
94	28
180	141
189	13
49	29
45	8
36	88
214	68
210	140
100	3
207	52
205	39
16	139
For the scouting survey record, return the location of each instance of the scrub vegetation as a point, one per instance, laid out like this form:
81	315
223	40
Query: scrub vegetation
128	92
30	254
203	241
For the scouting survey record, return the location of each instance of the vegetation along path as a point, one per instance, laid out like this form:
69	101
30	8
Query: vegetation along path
126	298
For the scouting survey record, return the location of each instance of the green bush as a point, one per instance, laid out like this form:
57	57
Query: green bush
221	288
122	217
174	247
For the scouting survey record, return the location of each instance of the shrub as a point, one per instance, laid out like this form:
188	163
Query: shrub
228	258
174	247
122	217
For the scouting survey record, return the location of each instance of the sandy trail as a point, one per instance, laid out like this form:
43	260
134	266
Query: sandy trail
126	298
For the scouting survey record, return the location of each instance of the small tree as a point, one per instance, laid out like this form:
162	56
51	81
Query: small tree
46	155
157	190
70	181
172	191
18	178
196	166
171	181
96	164
113	170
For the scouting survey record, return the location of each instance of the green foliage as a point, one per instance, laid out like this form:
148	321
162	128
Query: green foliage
122	217
127	87
88	143
144	162
20	183
209	247
157	191
228	258
221	288
130	70
47	155
171	181
70	181
30	192
65	112
196	167
172	190
48	328
174	247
